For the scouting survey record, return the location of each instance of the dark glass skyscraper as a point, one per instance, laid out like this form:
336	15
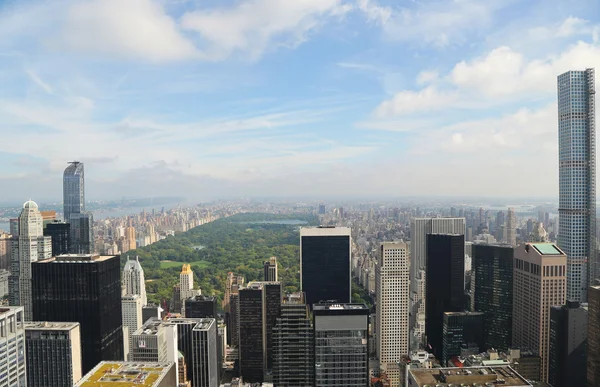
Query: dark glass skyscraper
593	355
61	237
73	190
568	345
201	307
84	289
325	260
492	275
577	179
444	284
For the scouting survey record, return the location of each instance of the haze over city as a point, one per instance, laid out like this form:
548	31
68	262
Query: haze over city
209	99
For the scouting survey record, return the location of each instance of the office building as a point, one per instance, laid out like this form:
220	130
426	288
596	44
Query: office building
155	342
197	340
270	269
445	273
593	355
186	285
122	373
84	289
130	238
12	347
53	353
4	278
60	234
419	229
232	286
577	179
5	241
492	284
80	221
568	345
510	228
321	209
393	304
200	307
293	357
341	344
259	307
539	283
504	376
461	330
151	310
28	247
133	279
233	319
131	307
325	260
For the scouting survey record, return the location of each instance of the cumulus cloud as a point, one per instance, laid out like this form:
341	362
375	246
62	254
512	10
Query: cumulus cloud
408	102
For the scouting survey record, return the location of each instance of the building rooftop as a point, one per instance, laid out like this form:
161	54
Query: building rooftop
125	374
325	306
77	258
547	248
201	323
46	325
471	376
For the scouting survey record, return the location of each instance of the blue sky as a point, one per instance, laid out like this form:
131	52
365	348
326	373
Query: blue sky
207	99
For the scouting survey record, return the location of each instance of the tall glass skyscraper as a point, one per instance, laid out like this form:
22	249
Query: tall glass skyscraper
73	190
577	179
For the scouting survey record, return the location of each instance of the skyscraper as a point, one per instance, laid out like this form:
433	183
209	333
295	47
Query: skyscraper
577	179
539	283
593	331
73	190
232	286
84	289
510	229
492	281
60	234
186	283
325	264
12	347
133	279
341	344
419	228
30	246
293	357
445	273
200	307
53	354
197	340
270	269
568	345
131	307
392	282
155	342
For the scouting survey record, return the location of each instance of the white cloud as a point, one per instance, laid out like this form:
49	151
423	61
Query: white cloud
573	26
38	81
138	29
427	76
374	12
254	26
408	102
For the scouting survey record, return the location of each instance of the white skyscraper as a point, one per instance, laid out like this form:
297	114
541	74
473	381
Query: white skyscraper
131	305
577	180
30	246
12	347
419	228
510	229
133	279
393	303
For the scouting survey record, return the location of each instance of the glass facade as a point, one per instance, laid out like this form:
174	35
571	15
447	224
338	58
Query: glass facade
577	179
463	329
73	190
251	334
341	345
325	266
492	275
444	287
61	235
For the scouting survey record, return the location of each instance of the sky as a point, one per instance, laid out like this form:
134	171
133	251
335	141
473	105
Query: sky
211	99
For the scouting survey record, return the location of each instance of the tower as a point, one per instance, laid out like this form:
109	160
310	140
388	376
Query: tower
12	346
577	179
392	282
593	332
444	288
270	269
325	264
131	308
133	279
492	281
539	283
510	230
30	246
81	222
60	234
84	289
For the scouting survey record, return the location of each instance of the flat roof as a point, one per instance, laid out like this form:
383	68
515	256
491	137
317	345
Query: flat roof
50	326
77	258
499	375
125	374
324	231
324	306
547	248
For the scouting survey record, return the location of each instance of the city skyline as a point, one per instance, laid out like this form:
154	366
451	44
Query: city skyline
326	91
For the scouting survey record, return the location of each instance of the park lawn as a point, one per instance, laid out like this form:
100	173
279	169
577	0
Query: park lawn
169	264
